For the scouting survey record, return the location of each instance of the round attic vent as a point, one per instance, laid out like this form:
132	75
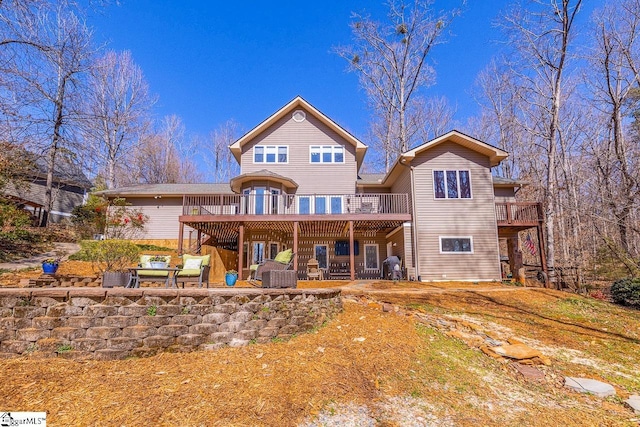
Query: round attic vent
299	116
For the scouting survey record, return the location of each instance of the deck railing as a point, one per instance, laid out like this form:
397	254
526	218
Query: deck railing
295	204
519	213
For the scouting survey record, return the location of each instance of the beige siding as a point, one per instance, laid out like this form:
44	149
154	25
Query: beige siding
455	217
311	178
163	216
504	195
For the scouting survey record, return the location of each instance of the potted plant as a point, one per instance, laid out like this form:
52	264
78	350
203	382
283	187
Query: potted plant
50	266
158	261
231	277
112	258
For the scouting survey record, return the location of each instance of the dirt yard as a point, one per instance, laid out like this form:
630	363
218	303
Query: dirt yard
367	366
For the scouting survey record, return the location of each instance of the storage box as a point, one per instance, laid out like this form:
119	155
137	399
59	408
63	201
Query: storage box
279	279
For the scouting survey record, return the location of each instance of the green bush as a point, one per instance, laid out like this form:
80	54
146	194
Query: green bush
11	216
108	255
626	292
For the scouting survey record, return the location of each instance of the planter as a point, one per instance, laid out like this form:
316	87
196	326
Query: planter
49	268
112	279
230	279
158	264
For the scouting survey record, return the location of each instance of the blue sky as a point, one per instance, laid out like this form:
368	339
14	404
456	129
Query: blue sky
210	61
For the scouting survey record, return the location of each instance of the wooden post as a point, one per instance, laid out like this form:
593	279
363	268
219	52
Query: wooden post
240	250
295	247
199	247
352	257
543	255
180	238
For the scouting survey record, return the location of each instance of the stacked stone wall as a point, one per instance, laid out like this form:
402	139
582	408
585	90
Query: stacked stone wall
118	323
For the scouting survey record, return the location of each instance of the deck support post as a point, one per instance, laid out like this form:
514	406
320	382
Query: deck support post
199	246
180	237
543	254
352	257
295	247
240	250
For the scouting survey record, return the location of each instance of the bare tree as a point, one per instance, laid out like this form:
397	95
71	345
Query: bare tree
540	37
43	56
614	78
162	157
391	60
117	105
219	158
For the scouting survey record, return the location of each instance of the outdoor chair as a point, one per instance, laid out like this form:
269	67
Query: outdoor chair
194	270
313	270
152	275
282	261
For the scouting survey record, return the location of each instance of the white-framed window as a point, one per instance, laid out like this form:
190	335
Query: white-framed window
335	204
456	244
326	154
273	249
321	253
371	257
258	252
271	154
451	184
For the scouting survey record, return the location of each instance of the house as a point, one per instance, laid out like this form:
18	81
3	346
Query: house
439	209
70	189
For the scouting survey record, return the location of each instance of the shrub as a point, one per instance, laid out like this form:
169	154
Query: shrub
626	292
109	255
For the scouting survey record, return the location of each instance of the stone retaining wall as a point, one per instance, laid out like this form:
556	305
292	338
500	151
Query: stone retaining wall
117	323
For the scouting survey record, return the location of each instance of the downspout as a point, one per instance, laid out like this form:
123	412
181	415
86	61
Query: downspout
414	222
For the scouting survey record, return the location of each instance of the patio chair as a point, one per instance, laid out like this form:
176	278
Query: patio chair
313	270
194	270
282	261
152	275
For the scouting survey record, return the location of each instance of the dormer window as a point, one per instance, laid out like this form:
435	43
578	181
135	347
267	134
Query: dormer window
271	154
326	154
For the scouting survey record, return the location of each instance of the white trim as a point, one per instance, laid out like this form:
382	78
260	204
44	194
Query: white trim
329	148
446	193
377	246
267	150
454	252
299	113
253	247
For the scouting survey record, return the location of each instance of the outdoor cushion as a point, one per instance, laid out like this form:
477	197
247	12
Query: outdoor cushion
146	263
188	269
192	264
284	257
153	272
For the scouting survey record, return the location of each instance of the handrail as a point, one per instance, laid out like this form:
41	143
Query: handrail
519	213
295	204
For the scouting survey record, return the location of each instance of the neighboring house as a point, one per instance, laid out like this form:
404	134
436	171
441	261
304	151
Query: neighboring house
438	208
70	189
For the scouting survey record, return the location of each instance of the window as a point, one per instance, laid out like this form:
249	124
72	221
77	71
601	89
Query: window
336	205
273	250
270	154
326	154
371	259
451	184
258	252
258	154
304	205
320	252
342	248
456	245
321	205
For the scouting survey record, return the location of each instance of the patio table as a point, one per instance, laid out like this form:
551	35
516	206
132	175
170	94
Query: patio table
135	276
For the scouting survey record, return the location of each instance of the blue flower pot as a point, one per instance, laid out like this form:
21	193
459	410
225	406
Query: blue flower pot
49	268
230	279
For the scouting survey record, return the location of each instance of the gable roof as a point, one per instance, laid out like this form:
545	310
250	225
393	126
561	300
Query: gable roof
299	102
495	154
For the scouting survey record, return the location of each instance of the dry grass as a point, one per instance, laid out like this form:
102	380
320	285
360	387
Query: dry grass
387	362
